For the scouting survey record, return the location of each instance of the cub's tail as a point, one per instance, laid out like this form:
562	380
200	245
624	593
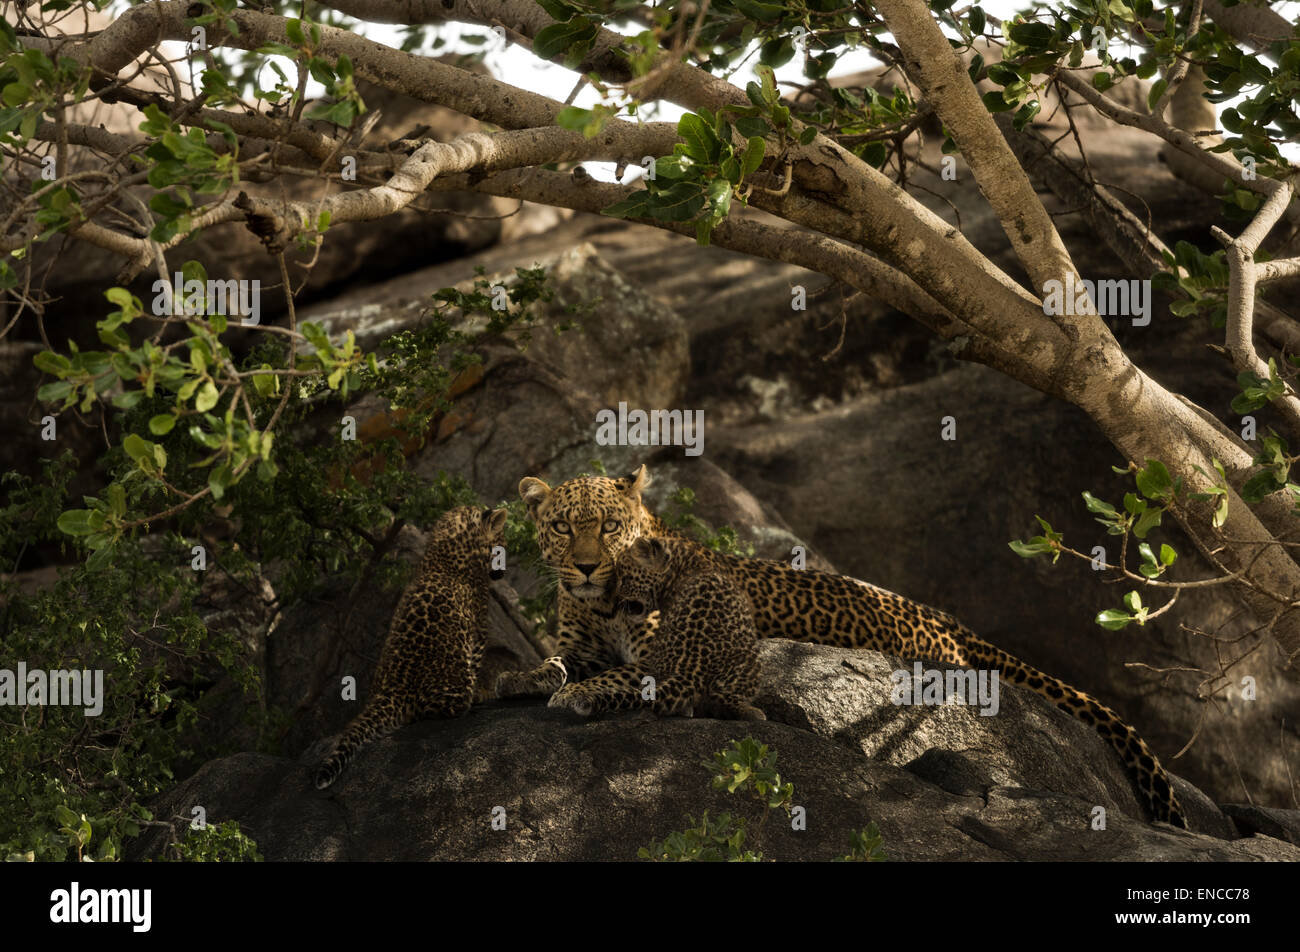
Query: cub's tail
1149	777
380	716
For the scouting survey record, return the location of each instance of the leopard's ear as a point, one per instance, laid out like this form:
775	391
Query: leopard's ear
494	520
635	482
533	492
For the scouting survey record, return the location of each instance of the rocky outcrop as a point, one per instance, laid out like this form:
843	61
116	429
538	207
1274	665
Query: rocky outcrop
901	523
941	783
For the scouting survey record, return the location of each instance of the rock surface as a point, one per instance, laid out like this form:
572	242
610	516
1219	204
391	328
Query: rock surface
599	789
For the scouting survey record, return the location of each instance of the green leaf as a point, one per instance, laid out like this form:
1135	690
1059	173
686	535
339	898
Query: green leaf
574	118
1113	620
1157	90
1262	484
994	102
119	296
1025	114
763	12
55	390
572	37
16	95
776	52
1097	506
75	522
750	126
1032	35
557	9
207	397
635	205
137	447
702	144
218	480
1154	481
1221	513
51	363
127	399
682	202
1146	522
162	424
753	156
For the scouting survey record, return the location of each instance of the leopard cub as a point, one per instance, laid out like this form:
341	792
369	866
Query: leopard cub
429	665
685	633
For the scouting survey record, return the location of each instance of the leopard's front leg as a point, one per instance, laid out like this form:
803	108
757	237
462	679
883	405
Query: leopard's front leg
616	689
573	659
623	688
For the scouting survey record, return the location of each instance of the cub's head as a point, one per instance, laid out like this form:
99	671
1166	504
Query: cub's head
583	524
642	570
473	531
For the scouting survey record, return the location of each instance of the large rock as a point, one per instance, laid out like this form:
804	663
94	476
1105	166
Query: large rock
598	790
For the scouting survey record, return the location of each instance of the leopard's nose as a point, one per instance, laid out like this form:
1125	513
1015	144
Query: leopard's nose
586	568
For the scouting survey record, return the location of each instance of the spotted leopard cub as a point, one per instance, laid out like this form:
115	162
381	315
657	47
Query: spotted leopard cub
429	665
700	649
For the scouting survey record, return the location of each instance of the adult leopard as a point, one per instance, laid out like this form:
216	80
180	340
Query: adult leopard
585	523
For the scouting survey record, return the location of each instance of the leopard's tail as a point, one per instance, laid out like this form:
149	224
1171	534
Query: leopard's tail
380	716
1149	777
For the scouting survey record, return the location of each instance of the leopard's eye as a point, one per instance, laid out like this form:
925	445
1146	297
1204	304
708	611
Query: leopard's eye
611	525
560	526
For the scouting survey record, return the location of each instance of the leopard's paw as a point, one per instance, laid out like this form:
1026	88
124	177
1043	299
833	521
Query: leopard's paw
569	696
555	668
547	678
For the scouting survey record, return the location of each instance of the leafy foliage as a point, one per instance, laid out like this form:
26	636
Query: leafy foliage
217	843
682	517
1157	493
746	767
191	418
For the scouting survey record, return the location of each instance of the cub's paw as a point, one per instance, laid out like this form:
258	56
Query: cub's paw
571	697
510	684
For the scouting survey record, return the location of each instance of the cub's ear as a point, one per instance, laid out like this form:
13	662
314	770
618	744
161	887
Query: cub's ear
649	553
533	492
494	520
635	482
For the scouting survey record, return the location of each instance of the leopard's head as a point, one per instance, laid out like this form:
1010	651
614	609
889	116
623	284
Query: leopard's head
473	531
584	523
